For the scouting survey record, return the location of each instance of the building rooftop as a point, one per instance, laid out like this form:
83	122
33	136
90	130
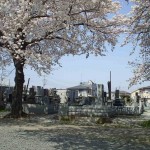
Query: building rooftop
122	92
143	88
82	86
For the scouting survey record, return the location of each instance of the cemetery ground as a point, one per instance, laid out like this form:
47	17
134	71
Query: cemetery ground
47	132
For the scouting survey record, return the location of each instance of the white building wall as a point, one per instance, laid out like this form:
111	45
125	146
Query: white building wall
145	93
93	88
133	94
63	95
113	95
83	93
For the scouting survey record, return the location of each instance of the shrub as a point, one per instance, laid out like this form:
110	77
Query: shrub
103	120
64	118
2	109
67	118
146	124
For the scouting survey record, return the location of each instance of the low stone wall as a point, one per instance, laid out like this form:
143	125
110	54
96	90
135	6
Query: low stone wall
97	110
63	110
126	110
90	111
39	109
86	110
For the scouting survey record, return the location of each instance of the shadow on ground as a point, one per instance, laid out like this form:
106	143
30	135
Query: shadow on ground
47	130
91	138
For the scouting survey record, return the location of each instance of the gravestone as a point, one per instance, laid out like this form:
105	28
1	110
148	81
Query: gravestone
31	96
100	94
117	94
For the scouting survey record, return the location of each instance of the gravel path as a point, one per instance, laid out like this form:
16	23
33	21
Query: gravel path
45	133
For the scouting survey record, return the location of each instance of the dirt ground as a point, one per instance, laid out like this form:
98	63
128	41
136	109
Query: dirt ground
47	132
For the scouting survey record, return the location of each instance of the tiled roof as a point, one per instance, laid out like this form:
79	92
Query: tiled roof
79	87
143	88
122	92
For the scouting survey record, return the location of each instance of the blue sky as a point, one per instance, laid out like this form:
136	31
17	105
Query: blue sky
79	69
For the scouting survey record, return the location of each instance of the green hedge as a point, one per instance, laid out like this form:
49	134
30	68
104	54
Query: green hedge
146	124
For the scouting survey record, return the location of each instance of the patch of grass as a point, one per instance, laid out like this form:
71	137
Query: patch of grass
65	118
145	124
2	110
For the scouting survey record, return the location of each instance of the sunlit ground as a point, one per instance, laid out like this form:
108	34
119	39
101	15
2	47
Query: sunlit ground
47	132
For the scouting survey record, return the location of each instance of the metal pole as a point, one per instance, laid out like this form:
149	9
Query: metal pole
110	85
27	85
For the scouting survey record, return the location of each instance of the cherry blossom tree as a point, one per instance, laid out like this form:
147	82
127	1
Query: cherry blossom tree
39	32
139	34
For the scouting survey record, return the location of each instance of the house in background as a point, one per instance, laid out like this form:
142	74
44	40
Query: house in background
85	89
143	93
121	94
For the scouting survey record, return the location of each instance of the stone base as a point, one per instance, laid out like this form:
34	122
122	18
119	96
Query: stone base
39	109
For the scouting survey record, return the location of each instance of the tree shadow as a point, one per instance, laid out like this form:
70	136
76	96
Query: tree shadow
31	120
47	129
85	138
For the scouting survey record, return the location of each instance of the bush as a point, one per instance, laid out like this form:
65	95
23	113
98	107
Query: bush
2	110
146	124
2	105
67	118
103	120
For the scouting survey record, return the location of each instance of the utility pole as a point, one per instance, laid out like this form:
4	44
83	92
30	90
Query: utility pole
109	87
81	78
9	84
44	81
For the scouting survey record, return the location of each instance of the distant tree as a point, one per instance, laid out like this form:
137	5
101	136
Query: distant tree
39	32
139	34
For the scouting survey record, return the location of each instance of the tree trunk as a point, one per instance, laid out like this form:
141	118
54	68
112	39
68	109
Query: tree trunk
16	111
